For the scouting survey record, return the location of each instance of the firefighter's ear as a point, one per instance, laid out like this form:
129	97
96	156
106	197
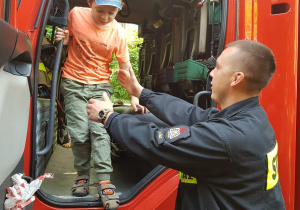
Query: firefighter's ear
237	78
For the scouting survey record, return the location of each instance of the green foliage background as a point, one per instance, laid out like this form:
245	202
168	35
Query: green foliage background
120	92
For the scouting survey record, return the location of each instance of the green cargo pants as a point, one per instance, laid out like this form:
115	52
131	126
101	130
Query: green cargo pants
88	138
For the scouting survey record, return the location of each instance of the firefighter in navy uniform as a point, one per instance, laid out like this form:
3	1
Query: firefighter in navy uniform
227	159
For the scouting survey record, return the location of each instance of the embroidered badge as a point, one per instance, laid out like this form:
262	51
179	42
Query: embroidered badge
160	136
172	134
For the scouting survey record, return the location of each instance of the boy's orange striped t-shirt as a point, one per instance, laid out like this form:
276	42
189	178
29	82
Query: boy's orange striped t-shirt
91	48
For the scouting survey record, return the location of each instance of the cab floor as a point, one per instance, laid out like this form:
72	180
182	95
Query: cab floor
127	172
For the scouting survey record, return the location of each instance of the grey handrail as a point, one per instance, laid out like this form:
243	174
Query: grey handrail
50	130
199	94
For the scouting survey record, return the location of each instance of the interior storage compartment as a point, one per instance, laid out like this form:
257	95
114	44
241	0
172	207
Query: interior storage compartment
190	70
190	77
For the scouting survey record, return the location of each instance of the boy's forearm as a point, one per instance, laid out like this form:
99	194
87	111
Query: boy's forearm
125	66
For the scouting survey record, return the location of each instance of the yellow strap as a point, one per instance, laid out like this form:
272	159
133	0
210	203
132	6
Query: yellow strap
50	75
42	67
185	178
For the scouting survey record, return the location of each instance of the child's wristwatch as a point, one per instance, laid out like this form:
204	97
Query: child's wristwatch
102	115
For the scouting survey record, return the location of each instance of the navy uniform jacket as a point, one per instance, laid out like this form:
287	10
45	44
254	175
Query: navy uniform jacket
229	156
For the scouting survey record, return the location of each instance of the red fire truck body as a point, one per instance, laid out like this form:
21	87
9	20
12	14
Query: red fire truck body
272	22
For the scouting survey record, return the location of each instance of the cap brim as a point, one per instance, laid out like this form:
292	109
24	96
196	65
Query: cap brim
107	3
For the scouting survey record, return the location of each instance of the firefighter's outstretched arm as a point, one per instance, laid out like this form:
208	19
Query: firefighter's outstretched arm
169	146
176	147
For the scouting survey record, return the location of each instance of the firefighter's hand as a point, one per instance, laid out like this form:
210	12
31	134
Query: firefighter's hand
136	104
94	106
129	82
62	34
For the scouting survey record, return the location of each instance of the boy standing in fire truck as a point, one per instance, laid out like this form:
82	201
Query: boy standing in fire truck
93	35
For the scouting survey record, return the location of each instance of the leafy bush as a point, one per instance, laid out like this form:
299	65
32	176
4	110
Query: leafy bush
48	32
119	91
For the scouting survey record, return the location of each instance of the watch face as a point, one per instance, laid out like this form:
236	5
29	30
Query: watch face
101	114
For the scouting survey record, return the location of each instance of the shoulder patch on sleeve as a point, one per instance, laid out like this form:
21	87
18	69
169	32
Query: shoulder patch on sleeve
172	134
160	136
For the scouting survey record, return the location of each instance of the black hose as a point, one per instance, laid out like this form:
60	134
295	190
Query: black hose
223	26
212	44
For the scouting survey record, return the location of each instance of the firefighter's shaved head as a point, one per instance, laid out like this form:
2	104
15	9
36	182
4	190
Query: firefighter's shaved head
256	61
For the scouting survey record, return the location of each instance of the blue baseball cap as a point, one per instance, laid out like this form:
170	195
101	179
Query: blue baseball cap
115	3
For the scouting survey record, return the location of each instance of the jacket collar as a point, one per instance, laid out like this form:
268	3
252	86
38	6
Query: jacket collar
237	107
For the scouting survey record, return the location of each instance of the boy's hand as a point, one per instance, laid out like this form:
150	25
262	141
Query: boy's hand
94	106
129	82
62	34
135	103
